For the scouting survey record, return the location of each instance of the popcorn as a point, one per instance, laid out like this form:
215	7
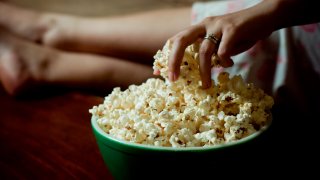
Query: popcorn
182	114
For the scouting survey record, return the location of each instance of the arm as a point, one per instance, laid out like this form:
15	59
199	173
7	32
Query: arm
238	32
296	12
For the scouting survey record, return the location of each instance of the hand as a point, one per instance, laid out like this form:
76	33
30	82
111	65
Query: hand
236	32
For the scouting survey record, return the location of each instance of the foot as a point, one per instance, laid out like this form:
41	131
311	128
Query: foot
22	64
25	65
45	28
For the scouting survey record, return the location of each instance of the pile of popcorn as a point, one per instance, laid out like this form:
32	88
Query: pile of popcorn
181	113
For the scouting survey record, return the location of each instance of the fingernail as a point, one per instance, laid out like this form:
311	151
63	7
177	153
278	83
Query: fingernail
156	72
227	63
230	63
175	76
172	76
206	85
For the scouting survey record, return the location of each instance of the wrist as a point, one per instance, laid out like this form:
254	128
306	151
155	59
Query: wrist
288	13
274	13
268	13
282	17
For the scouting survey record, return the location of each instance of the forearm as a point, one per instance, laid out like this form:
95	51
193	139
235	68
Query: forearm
295	12
142	33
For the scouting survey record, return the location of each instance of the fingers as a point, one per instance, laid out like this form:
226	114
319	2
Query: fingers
207	49
223	51
218	40
156	72
180	43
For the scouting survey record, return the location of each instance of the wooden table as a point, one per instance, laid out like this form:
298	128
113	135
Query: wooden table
49	137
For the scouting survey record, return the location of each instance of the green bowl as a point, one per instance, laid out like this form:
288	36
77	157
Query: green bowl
127	160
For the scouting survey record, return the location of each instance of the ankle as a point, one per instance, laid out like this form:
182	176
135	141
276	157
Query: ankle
11	77
57	29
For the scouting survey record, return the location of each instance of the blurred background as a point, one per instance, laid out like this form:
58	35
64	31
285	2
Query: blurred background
99	7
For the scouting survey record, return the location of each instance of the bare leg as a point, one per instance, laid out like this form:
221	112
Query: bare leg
137	35
24	64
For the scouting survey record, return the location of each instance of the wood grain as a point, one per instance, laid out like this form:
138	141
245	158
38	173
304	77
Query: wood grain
49	138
